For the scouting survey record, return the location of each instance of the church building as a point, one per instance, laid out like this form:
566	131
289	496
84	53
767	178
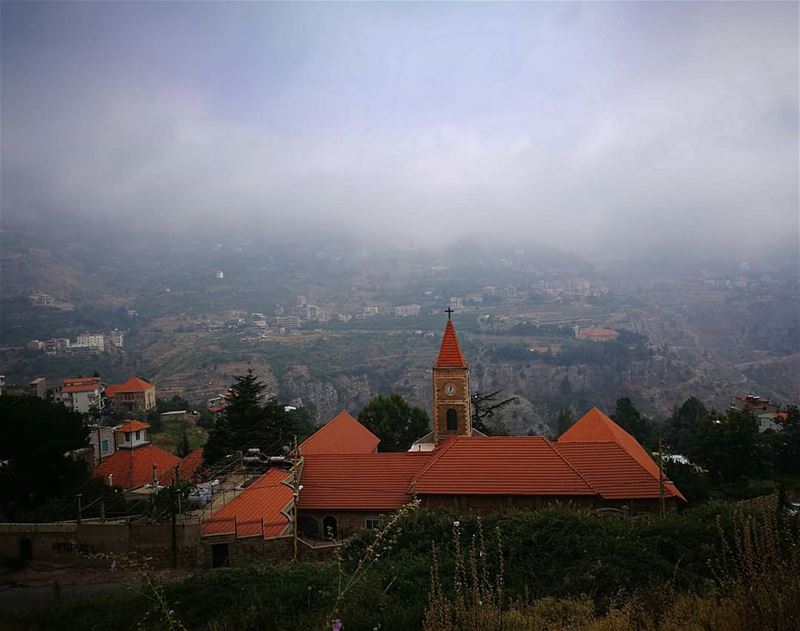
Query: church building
341	482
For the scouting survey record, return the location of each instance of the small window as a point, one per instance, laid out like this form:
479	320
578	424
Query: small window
104	446
372	523
452	420
138	434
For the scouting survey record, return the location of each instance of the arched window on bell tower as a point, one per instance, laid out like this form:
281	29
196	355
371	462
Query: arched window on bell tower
452	420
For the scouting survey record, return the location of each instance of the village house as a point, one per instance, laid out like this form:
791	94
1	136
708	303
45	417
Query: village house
339	483
82	394
103	441
135	395
136	463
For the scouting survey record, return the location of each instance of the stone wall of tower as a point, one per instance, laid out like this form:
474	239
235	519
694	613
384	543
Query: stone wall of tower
451	391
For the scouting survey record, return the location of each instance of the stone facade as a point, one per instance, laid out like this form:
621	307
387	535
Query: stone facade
452	414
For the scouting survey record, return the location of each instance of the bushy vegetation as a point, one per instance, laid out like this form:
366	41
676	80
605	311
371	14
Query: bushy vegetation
392	419
557	569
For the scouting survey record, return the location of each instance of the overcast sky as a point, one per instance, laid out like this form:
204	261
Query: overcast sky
594	127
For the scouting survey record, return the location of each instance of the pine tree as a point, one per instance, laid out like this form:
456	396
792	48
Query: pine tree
250	420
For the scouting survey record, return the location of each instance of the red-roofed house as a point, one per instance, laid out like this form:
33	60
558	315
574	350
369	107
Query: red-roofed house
82	394
135	395
596	427
341	435
137	463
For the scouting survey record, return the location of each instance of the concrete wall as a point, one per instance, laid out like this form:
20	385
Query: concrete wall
256	551
72	543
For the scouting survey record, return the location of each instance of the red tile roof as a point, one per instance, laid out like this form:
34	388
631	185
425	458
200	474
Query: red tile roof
81	387
594	426
612	471
499	465
132	468
133	425
134	384
341	435
71	381
450	352
267	499
189	468
598	332
374	482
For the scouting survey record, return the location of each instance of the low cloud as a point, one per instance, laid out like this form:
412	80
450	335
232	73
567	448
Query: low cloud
613	128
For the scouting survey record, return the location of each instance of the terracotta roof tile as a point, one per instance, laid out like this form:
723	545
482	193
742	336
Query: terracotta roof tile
267	499
133	425
341	435
598	332
189	468
132	468
613	471
499	465
450	352
81	387
359	481
71	381
134	384
594	426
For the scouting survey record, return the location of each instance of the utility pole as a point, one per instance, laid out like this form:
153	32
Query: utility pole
79	507
661	477
174	527
177	479
297	489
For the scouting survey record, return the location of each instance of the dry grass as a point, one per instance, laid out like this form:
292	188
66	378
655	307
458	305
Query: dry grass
757	587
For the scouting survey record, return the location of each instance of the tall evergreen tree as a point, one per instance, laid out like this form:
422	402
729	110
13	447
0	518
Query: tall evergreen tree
628	418
680	430
729	446
787	452
250	420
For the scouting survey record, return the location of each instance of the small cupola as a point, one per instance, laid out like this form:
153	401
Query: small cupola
132	434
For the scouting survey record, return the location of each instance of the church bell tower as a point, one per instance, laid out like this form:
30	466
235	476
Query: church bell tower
452	412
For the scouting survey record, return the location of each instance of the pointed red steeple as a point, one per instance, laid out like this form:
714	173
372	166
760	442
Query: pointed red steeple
450	353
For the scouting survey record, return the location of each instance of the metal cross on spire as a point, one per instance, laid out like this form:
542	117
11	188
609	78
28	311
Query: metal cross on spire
448	311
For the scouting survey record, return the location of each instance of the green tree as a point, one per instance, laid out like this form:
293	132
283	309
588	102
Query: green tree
787	451
729	447
35	435
394	421
565	420
680	430
251	420
183	445
628	418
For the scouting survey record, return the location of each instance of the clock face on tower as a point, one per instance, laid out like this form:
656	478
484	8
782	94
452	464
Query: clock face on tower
449	389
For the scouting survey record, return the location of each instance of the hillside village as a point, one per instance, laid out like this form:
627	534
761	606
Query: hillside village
399	316
338	481
302	501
